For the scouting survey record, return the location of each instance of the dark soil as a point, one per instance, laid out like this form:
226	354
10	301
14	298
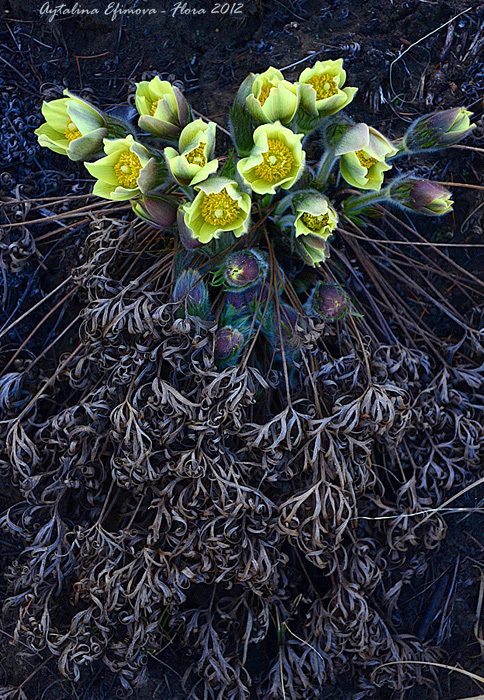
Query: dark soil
101	56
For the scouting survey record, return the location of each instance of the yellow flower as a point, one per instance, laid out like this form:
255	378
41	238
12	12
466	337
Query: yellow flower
72	127
277	159
197	144
219	206
163	109
321	88
315	217
269	97
363	152
127	170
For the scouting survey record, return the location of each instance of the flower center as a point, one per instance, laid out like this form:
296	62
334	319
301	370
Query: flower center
325	86
220	209
277	162
197	156
315	223
153	107
365	160
264	93
127	169
72	132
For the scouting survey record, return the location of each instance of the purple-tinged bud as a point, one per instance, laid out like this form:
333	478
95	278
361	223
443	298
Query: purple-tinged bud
188	240
157	211
229	342
329	301
244	268
438	130
190	288
422	196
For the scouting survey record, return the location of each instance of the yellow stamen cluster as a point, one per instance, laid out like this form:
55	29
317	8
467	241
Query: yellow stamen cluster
264	93
72	132
220	209
197	156
127	169
365	160
153	107
325	86
277	162
315	223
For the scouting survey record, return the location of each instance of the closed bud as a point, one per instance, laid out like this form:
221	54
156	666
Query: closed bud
244	268
422	196
329	301
438	130
190	289
157	211
229	342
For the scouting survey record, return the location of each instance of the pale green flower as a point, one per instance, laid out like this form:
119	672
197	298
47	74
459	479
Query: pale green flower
312	249
163	109
277	159
127	170
321	88
363	152
72	127
315	217
269	97
219	206
196	145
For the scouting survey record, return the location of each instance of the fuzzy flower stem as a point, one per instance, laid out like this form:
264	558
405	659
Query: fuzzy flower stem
325	166
354	203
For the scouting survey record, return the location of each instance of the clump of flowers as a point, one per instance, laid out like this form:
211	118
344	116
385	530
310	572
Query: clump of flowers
259	213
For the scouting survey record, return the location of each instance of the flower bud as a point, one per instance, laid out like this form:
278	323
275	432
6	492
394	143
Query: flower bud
329	301
157	211
438	130
190	288
422	196
229	343
312	249
244	268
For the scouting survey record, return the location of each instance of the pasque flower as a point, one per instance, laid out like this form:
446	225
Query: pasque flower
330	301
128	169
363	152
277	159
244	268
321	88
438	130
163	109
156	210
315	217
422	196
268	97
219	206
72	127
196	145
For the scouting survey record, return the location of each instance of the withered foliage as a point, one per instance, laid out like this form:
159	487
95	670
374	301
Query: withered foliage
167	502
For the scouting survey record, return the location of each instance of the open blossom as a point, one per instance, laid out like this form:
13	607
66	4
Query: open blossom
268	97
127	170
193	163
315	217
277	159
72	127
321	88
363	152
219	206
163	109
